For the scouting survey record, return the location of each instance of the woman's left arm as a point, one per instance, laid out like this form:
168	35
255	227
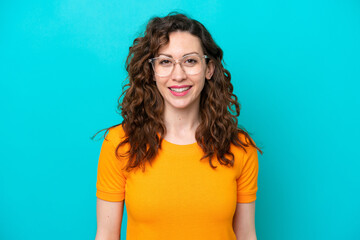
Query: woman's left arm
244	221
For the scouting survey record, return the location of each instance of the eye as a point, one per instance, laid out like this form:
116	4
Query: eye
165	62
191	61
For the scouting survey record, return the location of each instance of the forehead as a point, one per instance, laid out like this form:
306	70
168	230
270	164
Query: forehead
181	43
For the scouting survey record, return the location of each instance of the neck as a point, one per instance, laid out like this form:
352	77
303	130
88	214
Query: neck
181	124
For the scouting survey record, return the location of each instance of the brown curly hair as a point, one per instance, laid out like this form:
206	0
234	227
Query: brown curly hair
142	104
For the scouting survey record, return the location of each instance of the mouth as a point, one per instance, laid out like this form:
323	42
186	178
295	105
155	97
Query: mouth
180	89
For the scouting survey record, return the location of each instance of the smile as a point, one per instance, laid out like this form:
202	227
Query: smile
179	90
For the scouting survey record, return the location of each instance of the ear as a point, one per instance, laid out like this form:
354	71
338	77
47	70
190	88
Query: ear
210	68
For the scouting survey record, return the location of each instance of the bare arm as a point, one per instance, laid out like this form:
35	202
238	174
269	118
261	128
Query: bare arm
244	221
109	218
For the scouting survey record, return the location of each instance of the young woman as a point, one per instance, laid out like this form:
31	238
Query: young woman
179	160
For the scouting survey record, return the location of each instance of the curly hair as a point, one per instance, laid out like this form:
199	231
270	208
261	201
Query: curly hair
142	105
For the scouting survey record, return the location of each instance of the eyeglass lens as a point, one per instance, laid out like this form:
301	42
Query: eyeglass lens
163	66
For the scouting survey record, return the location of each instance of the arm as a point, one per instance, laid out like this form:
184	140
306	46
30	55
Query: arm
109	218
244	221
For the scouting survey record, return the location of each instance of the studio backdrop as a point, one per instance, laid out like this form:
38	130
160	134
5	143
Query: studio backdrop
295	68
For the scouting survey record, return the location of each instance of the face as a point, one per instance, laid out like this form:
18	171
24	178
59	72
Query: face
179	90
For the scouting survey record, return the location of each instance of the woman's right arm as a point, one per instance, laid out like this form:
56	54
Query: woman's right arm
109	218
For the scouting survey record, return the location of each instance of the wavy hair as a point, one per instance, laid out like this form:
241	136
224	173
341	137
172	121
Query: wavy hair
142	105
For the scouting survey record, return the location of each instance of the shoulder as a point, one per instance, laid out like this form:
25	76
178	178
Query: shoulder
245	139
246	157
245	152
116	134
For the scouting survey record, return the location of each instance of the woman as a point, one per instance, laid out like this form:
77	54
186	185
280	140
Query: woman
198	177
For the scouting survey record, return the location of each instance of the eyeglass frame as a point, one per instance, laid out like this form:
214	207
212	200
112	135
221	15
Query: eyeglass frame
151	60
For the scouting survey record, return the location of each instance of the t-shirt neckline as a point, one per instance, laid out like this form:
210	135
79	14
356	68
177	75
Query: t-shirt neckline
174	146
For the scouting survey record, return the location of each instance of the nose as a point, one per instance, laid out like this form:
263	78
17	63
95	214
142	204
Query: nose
178	74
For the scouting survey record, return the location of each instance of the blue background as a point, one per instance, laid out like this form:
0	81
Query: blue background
295	67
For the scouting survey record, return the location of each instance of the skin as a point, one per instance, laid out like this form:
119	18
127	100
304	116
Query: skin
109	219
181	116
181	113
244	221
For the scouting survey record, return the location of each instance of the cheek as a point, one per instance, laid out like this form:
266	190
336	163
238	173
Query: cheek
203	86
160	86
202	82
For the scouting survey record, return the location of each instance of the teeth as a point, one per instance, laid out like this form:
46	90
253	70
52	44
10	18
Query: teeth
179	89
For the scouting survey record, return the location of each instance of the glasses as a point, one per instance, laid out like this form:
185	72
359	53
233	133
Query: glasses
191	64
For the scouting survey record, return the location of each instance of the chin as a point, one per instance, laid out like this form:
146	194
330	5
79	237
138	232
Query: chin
180	106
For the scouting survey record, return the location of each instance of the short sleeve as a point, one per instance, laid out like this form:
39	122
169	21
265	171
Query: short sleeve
110	185
247	182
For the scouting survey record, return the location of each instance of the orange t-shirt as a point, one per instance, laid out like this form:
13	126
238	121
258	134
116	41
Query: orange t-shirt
179	196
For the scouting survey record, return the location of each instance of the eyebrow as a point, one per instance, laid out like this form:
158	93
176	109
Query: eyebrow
169	55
